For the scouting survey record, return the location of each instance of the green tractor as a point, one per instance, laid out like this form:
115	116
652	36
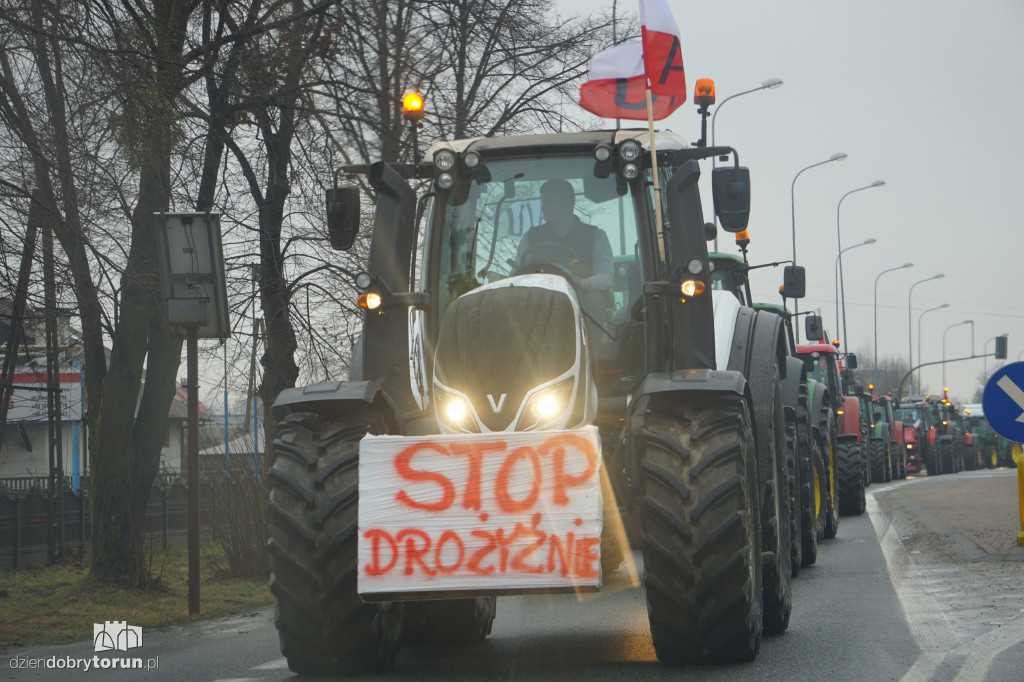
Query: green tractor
490	313
804	460
990	449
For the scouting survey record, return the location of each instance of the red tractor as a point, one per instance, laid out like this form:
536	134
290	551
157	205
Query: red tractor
839	417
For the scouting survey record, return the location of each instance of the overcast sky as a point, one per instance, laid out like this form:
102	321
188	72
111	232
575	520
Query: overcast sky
926	95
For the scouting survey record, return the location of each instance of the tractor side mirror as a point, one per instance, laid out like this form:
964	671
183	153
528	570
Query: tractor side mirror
730	187
342	216
794	282
812	328
851	361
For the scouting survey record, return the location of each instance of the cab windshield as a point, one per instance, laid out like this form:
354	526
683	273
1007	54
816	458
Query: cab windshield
908	415
485	219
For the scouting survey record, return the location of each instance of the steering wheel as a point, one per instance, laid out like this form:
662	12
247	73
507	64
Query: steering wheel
551	252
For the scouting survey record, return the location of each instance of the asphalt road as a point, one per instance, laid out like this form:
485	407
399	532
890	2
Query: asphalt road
912	590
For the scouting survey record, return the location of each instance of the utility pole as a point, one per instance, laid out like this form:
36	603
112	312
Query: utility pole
17	332
53	402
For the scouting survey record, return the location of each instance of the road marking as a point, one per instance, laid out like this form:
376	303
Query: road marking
983	650
1013	390
928	623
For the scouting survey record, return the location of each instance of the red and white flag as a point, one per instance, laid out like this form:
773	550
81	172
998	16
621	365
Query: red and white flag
618	84
662	49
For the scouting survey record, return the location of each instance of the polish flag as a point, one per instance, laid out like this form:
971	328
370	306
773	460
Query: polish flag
662	49
618	84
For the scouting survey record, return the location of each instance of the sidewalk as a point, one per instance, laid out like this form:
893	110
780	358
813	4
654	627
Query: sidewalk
983	507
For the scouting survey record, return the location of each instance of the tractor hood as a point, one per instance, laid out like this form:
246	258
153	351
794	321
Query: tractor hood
512	356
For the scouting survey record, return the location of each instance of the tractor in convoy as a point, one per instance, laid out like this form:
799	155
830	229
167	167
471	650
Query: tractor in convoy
528	290
838	418
990	449
886	440
804	457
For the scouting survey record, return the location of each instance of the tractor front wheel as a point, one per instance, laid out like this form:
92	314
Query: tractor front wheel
324	627
701	536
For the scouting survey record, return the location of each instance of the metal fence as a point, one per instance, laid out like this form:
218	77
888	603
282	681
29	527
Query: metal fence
30	521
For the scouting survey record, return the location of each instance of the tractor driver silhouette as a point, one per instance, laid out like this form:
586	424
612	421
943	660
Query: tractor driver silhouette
564	239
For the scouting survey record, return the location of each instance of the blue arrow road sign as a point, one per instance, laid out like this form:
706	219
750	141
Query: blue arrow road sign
1003	402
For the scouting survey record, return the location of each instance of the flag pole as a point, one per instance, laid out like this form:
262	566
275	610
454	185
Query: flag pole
654	172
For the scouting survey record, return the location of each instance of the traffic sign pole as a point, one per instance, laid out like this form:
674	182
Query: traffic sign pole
1018	457
1004	396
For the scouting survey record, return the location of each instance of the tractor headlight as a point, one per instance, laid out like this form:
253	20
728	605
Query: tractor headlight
444	160
630	171
445	180
548	404
454	410
629	150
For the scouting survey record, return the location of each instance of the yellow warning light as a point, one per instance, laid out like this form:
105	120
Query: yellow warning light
743	236
412	106
840	411
871	387
692	287
704	92
369	301
835	342
967	410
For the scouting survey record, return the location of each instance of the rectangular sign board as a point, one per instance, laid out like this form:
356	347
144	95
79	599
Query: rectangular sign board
465	514
29	398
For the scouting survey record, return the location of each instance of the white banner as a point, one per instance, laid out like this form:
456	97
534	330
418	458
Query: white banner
482	513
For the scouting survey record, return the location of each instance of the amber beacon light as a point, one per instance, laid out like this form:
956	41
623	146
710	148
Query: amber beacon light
412	106
704	92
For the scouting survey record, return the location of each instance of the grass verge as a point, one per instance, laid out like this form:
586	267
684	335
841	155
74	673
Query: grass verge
59	604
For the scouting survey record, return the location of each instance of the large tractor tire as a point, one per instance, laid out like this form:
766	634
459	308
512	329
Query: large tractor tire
877	456
946	453
812	477
775	517
899	461
449	621
324	627
701	536
932	463
851	482
829	448
795	513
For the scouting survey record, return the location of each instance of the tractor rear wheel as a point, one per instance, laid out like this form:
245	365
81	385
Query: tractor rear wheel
876	455
812	476
945	457
851	482
832	479
701	536
324	627
795	513
775	517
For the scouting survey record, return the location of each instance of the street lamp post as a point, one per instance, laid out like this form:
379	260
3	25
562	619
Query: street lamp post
838	270
898	267
769	84
910	339
792	213
839	248
919	318
958	324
